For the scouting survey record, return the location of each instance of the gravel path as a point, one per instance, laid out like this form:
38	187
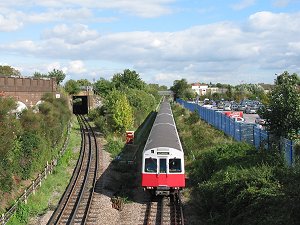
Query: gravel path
106	187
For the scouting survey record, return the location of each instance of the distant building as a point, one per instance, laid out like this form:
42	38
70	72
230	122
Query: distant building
203	89
199	88
267	87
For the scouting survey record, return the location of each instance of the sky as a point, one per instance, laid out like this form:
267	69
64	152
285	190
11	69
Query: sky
232	41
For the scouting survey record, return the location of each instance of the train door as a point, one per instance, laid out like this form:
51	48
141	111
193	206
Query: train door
162	165
162	175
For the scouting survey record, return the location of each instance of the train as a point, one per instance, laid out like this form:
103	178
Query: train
163	171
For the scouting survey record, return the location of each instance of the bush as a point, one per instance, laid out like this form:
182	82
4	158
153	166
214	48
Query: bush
102	125
23	213
114	146
240	196
233	183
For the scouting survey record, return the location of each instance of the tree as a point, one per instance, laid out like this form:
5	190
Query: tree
283	112
84	82
72	87
179	88
129	79
120	113
9	71
39	75
59	75
103	87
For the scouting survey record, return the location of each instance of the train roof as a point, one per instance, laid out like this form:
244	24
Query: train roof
164	132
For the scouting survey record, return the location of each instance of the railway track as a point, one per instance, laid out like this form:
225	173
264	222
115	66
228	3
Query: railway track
75	205
162	210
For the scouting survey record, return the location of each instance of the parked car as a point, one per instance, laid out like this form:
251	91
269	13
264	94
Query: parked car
234	107
251	110
238	119
227	107
241	107
259	120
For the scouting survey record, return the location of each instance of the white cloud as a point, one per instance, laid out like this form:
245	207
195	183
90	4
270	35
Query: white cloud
9	22
75	34
76	67
275	26
220	52
78	9
281	3
53	65
243	4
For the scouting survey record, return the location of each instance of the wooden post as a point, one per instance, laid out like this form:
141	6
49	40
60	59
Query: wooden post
46	172
40	180
2	218
25	194
33	187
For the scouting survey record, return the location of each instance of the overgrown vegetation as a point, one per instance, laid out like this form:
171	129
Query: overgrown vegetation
29	140
127	101
283	111
48	195
233	183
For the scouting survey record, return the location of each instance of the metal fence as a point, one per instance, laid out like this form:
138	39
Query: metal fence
240	131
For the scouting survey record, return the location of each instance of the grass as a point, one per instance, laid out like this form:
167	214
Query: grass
48	195
232	183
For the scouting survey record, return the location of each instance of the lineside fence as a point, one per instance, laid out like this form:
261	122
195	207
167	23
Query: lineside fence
36	183
241	131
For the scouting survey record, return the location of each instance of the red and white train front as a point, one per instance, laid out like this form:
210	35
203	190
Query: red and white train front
163	157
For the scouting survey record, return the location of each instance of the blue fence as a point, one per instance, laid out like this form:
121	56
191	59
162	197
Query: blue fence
240	131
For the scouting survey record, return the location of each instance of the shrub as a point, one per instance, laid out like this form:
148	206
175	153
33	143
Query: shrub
114	145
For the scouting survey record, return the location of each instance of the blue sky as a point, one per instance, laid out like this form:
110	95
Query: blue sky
234	41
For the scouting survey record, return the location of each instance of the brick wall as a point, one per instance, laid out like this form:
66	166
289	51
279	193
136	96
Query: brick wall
27	90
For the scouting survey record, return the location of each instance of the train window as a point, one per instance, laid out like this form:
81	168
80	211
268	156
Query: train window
151	165
162	165
174	165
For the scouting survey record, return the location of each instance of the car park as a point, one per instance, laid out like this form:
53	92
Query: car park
238	119
241	107
227	107
251	109
234	107
259	120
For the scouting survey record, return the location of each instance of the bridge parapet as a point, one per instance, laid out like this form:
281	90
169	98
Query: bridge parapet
25	89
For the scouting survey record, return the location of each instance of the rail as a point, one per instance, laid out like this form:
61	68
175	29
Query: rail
164	210
75	204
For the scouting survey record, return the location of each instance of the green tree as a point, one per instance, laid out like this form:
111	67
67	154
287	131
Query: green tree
59	75
9	130
229	93
30	151
9	71
72	87
120	113
103	87
129	79
283	112
142	103
84	82
180	88
8	125
39	75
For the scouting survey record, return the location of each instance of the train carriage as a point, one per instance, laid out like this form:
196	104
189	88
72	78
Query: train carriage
163	157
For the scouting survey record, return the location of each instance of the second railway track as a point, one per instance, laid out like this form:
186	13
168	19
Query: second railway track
74	206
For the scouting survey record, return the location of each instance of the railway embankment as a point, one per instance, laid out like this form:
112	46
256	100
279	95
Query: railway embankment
41	205
233	183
